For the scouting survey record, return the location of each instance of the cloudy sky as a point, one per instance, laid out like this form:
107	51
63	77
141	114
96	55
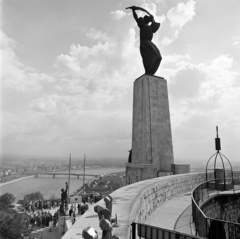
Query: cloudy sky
68	67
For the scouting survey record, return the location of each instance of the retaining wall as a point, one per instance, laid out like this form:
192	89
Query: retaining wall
137	201
224	207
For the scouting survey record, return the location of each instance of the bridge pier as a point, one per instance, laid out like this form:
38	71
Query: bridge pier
78	176
36	175
54	175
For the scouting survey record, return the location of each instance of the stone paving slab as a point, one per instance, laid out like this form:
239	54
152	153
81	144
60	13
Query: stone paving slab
168	213
183	224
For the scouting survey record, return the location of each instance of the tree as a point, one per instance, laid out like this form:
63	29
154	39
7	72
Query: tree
13	226
6	200
31	197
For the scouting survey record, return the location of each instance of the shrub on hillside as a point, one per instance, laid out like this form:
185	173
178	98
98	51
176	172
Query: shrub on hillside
13	226
31	197
6	200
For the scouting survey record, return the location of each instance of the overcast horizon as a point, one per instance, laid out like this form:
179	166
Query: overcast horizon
116	161
68	67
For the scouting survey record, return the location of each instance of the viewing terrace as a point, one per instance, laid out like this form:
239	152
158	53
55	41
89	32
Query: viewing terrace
162	204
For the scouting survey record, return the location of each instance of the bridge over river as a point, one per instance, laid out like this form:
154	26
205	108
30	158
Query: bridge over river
54	174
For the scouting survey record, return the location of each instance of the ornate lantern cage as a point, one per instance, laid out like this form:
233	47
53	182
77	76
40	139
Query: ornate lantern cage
223	179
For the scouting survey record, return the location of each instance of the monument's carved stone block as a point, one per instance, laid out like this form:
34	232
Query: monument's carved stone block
181	168
137	172
151	135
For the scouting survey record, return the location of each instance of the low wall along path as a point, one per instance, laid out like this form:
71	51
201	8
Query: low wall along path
135	202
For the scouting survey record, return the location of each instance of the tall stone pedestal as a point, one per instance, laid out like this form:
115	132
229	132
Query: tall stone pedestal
136	172
152	148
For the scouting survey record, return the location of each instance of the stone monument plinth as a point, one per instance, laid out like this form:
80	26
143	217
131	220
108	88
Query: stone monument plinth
152	149
136	172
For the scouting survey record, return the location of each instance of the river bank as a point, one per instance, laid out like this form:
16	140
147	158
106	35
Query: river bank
16	180
49	186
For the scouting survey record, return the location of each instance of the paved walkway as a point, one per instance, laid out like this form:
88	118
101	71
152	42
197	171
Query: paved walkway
183	223
50	235
174	214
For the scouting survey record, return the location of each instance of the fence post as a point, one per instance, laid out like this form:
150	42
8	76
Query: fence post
206	222
133	230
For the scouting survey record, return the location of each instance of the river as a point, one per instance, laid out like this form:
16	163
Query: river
48	185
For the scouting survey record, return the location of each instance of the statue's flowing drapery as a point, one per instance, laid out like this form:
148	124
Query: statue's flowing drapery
150	54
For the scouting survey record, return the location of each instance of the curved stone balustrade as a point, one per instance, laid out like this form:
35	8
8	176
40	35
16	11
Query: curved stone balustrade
137	201
224	206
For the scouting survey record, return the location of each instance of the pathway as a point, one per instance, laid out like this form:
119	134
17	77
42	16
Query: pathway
174	214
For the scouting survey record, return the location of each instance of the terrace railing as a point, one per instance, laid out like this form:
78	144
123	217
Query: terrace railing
143	231
207	227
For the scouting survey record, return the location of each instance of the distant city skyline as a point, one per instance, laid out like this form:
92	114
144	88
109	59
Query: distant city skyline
68	67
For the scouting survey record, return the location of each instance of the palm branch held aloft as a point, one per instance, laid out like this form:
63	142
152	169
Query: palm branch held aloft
149	52
138	8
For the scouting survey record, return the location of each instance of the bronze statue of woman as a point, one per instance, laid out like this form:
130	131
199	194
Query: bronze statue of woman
149	52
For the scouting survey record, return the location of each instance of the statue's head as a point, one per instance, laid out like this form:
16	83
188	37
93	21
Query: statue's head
147	19
62	190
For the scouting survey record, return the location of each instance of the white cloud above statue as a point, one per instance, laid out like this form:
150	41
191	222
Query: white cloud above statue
67	78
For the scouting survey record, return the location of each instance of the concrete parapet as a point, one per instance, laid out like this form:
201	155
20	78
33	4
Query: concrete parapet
135	202
62	225
223	206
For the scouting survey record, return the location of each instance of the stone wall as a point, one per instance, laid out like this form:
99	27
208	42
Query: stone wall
137	201
224	207
62	225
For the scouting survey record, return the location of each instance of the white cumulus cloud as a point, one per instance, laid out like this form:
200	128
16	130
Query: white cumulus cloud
236	41
14	74
181	14
118	14
97	35
178	17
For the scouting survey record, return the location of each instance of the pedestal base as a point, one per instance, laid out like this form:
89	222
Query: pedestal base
136	172
181	168
151	135
163	174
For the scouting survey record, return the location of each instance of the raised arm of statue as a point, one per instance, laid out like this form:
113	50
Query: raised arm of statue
133	8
